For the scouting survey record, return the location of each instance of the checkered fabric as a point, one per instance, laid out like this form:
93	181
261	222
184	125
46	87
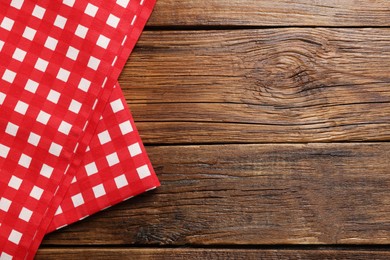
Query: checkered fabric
68	145
115	167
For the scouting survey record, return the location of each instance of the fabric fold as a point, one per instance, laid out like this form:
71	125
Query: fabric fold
100	182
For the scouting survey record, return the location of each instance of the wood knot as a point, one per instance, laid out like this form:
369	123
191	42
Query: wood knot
287	76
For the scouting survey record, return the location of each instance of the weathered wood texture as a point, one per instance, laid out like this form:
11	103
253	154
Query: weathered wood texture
272	13
252	194
270	85
173	254
274	85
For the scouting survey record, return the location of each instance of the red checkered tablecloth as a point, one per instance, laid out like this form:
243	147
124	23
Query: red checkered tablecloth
68	143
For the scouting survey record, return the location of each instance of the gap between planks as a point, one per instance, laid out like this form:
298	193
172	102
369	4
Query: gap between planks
188	253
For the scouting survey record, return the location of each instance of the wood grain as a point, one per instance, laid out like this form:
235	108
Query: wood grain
274	85
252	195
271	13
172	254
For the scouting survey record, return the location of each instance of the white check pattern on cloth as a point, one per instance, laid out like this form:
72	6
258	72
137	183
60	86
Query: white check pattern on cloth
59	61
115	167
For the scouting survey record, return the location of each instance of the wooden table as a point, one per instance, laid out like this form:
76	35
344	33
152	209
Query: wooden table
268	124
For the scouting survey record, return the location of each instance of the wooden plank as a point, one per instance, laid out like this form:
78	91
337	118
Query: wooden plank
274	85
252	194
271	13
154	253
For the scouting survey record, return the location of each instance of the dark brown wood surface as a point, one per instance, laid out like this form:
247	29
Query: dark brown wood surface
267	123
250	195
272	13
273	85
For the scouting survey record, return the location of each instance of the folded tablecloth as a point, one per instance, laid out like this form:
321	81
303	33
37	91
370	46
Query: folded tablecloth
68	143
